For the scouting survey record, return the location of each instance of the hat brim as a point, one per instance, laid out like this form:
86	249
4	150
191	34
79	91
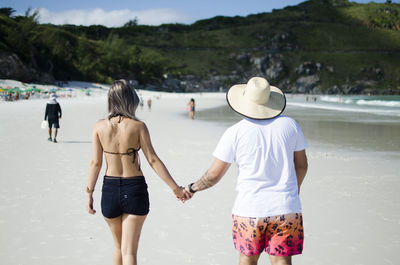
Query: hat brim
273	108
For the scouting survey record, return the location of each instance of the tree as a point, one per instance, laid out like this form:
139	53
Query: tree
131	23
8	11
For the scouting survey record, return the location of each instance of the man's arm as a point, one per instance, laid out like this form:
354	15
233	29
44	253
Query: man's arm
212	176
301	166
59	110
46	112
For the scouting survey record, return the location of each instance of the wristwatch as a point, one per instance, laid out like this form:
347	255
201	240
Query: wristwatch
190	188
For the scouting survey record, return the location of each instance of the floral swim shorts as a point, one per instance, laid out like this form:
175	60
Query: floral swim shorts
280	235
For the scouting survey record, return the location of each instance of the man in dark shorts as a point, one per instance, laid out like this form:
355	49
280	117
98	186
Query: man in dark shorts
52	115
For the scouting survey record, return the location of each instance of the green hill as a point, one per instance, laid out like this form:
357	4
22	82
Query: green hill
318	46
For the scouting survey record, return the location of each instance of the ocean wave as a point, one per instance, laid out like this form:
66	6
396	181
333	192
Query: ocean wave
382	103
348	109
361	102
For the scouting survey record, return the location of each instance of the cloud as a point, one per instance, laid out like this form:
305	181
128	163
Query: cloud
113	18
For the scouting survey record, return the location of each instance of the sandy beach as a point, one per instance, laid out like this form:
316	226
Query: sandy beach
350	198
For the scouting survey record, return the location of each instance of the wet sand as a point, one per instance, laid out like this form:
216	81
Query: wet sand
350	198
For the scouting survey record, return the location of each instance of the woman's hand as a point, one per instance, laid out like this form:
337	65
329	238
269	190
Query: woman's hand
89	204
181	194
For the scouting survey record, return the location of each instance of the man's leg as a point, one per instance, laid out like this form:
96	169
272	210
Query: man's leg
286	238
248	238
248	260
49	134
278	260
56	126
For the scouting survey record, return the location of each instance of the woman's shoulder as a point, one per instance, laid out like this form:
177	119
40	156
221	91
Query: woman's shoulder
99	124
135	124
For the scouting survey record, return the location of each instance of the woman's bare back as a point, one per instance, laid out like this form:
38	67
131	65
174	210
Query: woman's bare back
120	140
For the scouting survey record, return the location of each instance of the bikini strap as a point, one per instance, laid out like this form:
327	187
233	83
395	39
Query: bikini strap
130	152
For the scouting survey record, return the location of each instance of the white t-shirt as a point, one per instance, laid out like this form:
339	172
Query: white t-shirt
263	151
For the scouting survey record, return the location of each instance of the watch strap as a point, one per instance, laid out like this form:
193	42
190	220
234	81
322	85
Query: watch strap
190	188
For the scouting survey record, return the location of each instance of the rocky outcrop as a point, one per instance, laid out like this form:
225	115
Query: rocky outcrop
308	68
307	84
270	66
305	78
11	67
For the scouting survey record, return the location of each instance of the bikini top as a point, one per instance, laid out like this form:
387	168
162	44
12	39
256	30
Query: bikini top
130	152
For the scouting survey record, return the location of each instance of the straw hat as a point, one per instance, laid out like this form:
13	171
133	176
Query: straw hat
256	99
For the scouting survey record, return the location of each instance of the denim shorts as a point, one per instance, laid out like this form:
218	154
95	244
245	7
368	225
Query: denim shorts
124	195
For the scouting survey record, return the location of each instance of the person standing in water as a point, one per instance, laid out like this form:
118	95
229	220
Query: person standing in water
125	200
269	150
53	114
191	108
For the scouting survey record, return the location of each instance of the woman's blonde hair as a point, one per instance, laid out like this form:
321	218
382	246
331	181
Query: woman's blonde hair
122	100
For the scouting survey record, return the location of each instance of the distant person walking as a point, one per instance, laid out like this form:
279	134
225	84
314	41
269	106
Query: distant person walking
149	103
269	150
124	201
141	102
52	115
191	108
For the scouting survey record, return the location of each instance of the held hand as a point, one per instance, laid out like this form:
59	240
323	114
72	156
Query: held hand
89	204
188	195
188	191
181	194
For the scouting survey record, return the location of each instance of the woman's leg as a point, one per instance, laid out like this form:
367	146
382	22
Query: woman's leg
116	230
131	229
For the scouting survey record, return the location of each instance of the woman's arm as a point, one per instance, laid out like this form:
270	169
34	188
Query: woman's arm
156	163
94	169
212	176
301	166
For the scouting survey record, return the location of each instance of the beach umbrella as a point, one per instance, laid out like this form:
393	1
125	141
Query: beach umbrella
16	89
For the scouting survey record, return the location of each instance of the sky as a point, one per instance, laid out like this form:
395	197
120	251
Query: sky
148	12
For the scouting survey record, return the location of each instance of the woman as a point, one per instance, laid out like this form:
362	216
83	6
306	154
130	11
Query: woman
124	201
191	108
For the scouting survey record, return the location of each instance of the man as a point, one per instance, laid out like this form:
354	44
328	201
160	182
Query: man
53	114
269	150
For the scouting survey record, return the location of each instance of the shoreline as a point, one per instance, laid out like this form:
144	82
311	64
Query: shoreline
345	196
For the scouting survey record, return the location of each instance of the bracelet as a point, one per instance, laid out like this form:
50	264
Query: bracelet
89	190
190	188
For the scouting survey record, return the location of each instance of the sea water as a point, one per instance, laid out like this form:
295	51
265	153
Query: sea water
379	105
357	123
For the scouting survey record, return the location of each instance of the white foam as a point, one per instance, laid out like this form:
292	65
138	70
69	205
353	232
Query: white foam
348	109
361	102
384	103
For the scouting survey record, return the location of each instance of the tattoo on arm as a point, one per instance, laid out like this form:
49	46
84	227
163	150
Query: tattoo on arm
204	182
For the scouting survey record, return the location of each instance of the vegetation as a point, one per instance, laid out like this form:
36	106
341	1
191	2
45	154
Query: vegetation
353	39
